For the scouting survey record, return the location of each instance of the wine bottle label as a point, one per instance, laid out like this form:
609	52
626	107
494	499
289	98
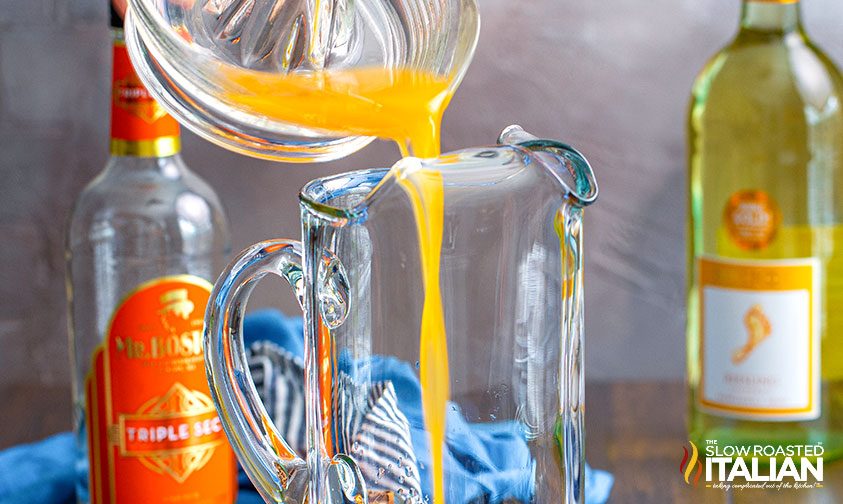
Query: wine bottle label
139	125
752	219
759	331
153	432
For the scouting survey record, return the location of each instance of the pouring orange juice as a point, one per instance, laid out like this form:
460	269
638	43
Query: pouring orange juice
405	106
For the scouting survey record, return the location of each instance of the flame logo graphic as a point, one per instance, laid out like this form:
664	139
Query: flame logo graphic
691	465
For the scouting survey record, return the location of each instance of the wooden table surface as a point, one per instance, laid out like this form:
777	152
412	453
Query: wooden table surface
634	430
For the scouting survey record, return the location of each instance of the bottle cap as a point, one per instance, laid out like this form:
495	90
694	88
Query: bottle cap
116	19
139	125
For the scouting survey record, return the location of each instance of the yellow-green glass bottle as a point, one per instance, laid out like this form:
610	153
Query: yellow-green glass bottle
765	259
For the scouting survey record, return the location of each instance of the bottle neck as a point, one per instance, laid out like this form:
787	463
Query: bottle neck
772	16
139	125
171	167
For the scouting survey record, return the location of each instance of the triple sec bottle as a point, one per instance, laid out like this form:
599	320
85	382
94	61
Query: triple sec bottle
146	238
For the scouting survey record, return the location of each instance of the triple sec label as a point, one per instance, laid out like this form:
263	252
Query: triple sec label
760	338
139	125
153	432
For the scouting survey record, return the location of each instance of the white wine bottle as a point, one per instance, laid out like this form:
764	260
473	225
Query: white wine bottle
765	298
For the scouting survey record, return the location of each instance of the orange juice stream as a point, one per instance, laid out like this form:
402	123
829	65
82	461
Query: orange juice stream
426	192
401	105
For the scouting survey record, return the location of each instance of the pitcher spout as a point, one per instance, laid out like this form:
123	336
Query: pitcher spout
567	164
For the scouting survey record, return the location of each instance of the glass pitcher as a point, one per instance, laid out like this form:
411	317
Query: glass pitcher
506	424
219	66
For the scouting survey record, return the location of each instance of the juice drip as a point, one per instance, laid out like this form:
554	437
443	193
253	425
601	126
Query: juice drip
426	192
401	105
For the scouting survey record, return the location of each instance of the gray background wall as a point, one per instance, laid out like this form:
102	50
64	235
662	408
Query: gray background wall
609	76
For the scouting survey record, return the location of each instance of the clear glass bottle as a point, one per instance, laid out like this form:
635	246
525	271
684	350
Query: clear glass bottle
145	240
765	325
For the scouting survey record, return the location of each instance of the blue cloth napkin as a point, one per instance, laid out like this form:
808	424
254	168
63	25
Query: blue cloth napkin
487	458
39	473
482	460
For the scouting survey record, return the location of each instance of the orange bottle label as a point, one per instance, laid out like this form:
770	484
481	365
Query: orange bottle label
752	218
139	125
759	338
153	432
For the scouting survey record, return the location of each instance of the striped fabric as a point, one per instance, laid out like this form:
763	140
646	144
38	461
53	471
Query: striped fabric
371	427
378	438
350	405
279	380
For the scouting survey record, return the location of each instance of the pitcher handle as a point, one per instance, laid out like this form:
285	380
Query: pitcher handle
278	473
